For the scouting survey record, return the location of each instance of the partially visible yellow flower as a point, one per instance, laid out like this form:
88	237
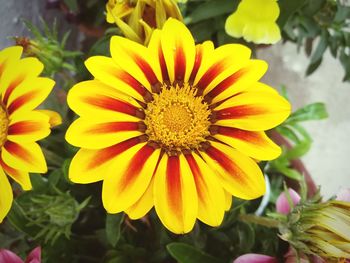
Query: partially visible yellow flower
321	229
138	18
174	125
255	21
21	125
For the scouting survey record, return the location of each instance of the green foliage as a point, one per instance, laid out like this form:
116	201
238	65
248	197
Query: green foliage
295	133
325	22
184	253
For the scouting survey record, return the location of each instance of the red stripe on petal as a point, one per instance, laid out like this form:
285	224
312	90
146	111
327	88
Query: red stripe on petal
9	170
136	164
237	112
197	175
211	74
104	155
197	62
253	137
225	84
180	63
146	69
162	63
11	87
226	163
112	127
24	127
18	151
109	103
21	100
131	81
173	175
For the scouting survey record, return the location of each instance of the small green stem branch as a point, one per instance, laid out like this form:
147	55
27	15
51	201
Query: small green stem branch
263	221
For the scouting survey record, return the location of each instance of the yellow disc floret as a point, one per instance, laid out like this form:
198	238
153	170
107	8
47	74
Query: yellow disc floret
4	123
177	118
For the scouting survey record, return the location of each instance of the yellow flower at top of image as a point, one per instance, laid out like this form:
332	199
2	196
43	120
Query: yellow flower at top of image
174	125
255	21
138	18
21	124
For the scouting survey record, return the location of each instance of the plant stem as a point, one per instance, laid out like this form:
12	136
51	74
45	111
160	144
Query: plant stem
263	221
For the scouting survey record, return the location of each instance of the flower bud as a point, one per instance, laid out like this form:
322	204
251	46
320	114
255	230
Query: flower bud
138	18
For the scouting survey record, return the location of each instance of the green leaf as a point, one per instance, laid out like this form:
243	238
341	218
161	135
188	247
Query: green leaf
210	9
299	150
113	224
314	111
288	8
184	253
316	57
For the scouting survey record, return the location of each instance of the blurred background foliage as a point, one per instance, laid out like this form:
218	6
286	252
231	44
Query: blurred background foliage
68	220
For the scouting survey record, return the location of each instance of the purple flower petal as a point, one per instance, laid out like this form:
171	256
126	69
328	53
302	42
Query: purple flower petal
282	205
6	256
34	256
256	258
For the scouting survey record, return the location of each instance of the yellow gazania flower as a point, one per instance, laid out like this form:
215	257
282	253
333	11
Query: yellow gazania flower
174	125
138	18
20	124
255	21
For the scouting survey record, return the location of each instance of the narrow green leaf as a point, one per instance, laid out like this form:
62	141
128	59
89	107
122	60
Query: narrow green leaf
316	57
314	111
288	8
113	224
210	9
184	253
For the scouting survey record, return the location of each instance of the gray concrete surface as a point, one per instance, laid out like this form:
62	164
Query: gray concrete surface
328	159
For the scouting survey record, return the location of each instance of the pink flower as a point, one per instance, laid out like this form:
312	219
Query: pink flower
256	258
344	195
282	205
7	256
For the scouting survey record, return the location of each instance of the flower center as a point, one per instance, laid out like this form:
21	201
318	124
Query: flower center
177	119
4	123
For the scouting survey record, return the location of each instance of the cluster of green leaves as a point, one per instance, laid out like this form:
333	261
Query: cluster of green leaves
299	138
323	21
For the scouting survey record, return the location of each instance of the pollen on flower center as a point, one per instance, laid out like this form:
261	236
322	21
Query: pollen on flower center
4	122
177	119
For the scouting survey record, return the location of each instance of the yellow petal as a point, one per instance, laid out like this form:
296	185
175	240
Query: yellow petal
239	175
107	71
136	60
254	144
28	95
89	166
129	178
97	134
255	21
21	71
228	201
218	65
179	50
155	48
55	118
143	205
6	196
238	81
175	197
28	127
253	111
211	196
8	56
25	156
127	31
96	100
19	176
